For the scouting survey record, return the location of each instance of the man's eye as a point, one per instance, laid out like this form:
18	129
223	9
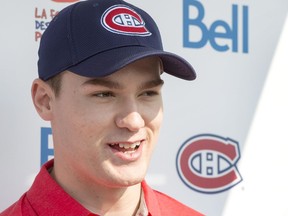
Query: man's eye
150	93
103	94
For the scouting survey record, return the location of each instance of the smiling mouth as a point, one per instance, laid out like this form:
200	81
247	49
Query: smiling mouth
125	147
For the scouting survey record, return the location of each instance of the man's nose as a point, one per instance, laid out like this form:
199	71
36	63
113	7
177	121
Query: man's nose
130	118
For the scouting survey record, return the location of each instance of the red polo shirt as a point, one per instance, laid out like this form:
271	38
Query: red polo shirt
46	197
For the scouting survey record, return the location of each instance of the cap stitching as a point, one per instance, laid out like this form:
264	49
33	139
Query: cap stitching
72	46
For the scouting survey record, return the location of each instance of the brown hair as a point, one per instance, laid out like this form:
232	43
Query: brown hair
55	83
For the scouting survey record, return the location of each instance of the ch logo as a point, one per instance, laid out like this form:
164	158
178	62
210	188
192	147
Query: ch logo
207	163
121	19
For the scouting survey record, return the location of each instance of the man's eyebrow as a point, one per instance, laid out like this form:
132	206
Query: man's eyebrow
116	85
152	84
103	82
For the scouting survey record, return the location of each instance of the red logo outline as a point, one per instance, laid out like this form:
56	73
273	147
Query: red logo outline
198	148
121	19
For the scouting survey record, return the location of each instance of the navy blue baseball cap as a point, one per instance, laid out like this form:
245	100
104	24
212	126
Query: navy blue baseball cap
96	38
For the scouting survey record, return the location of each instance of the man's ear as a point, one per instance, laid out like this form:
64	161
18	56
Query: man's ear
42	96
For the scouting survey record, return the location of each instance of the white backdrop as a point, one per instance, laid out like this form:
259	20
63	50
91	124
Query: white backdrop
239	49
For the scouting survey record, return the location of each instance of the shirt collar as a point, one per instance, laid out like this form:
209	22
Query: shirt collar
46	195
151	200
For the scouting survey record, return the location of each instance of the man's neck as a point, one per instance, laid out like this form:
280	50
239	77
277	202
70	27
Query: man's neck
124	201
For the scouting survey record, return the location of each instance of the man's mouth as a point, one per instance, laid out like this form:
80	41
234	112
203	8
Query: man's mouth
126	147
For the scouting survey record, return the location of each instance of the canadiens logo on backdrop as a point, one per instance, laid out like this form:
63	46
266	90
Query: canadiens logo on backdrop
207	163
121	19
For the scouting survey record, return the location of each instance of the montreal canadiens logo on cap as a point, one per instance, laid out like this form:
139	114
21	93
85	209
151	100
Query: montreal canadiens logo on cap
121	19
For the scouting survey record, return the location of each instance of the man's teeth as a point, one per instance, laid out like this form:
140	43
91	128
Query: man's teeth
126	145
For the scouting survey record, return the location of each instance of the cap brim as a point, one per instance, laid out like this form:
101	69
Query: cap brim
108	62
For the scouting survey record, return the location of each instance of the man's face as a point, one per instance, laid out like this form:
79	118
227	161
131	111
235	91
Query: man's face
105	129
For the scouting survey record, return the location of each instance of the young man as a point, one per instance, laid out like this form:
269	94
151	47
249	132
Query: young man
99	85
